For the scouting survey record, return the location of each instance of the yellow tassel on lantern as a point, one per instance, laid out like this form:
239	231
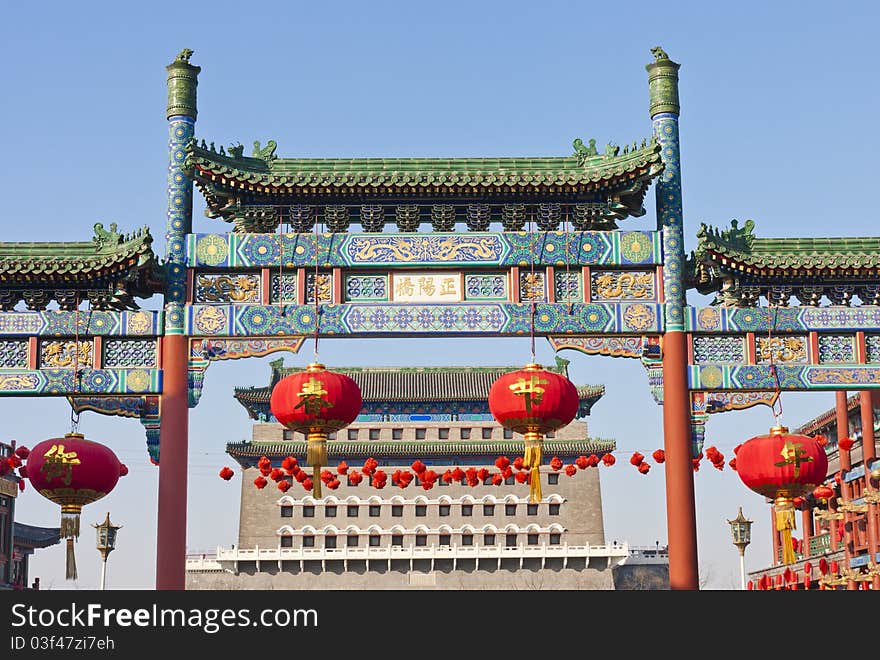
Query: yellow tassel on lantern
70	514
316	456
532	459
785	522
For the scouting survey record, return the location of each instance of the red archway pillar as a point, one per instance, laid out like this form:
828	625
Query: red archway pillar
869	453
842	418
681	513
173	462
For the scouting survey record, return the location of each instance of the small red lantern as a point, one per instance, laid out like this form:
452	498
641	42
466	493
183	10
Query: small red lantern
72	472
284	485
608	460
636	459
260	482
22	452
355	477
533	401
289	463
342	468
570	470
418	467
644	468
659	456
497	480
846	443
782	466
226	473
556	464
582	462
316	402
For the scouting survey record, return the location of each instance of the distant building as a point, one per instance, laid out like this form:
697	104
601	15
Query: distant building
841	530
450	537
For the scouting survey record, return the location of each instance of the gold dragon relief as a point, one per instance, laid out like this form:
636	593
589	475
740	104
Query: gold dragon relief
623	285
780	349
228	288
19	382
410	249
65	353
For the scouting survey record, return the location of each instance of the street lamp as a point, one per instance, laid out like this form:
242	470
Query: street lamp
741	528
106	543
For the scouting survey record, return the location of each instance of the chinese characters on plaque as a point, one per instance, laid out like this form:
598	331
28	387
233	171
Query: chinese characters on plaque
426	287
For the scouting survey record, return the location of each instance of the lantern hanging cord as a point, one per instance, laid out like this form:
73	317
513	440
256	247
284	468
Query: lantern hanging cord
280	261
529	289
770	326
317	261
567	265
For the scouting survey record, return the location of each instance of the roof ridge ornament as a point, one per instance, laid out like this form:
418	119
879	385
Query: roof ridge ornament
184	55
266	153
104	238
659	54
582	152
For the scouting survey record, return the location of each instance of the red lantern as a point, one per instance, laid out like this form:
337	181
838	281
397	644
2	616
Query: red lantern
608	460
570	470
334	484
72	472
22	452
821	440
644	468
497	480
518	463
846	443
226	473
316	402
782	466
276	475
556	464
342	468
659	456
355	477
447	477
732	463
521	477
502	462
308	484
533	401
582	462
418	467
636	459
260	482
284	485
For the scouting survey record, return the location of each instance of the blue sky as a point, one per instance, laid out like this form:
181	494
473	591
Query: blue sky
778	110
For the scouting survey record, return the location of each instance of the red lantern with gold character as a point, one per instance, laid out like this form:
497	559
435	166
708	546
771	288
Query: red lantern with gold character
316	402
782	466
533	401
72	472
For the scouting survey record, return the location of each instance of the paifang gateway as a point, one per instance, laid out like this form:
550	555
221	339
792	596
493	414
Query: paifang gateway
477	247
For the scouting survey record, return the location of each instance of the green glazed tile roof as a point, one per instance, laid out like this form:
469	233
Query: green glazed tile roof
739	249
286	175
341	449
107	253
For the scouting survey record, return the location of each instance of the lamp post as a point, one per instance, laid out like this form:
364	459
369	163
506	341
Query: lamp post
106	543
741	528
